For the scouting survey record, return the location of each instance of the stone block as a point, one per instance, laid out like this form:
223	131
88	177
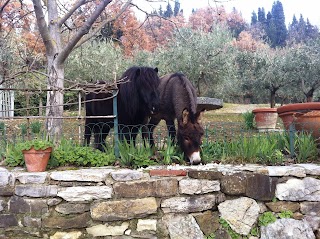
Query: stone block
123	209
150	188
261	187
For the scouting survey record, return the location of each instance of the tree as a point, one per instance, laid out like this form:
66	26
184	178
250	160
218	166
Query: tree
59	48
176	9
168	13
278	29
254	18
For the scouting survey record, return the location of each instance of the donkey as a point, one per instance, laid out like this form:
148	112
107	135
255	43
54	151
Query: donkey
137	100
178	100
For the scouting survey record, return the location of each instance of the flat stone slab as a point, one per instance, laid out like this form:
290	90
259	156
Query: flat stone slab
206	103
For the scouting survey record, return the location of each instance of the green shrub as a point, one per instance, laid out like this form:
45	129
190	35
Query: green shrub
266	218
135	156
36	127
69	153
248	120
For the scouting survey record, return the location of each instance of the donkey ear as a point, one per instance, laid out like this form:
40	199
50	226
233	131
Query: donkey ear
185	116
199	115
156	69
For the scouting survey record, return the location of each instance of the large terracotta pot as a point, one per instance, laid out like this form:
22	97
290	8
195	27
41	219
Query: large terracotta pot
308	122
36	160
266	118
286	112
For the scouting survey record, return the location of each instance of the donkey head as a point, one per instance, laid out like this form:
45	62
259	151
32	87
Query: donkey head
148	88
189	135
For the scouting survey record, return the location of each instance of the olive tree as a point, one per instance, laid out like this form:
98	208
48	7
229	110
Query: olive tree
305	71
206	58
53	22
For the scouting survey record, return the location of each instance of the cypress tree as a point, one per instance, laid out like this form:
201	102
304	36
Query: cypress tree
261	15
176	8
168	13
254	18
278	17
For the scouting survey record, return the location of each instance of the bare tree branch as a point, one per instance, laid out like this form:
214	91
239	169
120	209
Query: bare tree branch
97	29
82	31
43	27
71	11
3	6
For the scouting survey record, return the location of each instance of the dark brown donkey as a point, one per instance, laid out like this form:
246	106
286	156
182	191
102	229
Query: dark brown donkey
178	100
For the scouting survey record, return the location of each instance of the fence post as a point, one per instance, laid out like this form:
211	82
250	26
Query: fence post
115	127
291	139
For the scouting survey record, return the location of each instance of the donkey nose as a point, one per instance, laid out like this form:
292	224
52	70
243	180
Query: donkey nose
195	158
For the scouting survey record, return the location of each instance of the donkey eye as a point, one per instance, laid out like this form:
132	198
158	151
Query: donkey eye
186	138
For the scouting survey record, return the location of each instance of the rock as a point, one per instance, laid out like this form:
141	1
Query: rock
84	175
240	214
198	186
283	206
287	228
77	221
234	184
147	224
150	188
123	209
190	204
67	235
182	226
281	171
208	221
85	194
34	190
310	208
261	187
104	230
307	189
206	103
127	175
69	208
36	178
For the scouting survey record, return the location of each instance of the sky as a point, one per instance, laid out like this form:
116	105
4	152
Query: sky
305	7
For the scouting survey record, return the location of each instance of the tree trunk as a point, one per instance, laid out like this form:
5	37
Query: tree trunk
54	109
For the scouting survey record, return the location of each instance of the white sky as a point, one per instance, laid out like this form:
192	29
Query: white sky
305	7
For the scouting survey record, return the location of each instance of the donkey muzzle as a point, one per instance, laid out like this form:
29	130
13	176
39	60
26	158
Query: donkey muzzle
195	158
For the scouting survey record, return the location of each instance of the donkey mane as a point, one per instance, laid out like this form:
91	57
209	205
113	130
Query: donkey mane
192	107
137	77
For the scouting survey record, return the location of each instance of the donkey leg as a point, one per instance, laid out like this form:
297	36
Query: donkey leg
148	129
87	133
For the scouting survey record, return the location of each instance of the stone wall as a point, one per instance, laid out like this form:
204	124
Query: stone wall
172	202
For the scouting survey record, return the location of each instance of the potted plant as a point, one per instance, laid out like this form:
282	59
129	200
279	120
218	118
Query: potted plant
265	118
36	154
288	113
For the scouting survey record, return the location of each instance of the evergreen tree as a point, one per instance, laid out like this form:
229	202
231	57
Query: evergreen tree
261	15
280	25
168	13
176	9
312	32
254	18
160	11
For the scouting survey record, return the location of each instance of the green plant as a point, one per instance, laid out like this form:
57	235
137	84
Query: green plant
170	153
306	148
132	156
37	144
248	120
23	128
36	127
68	153
210	236
285	214
14	155
227	227
266	218
2	128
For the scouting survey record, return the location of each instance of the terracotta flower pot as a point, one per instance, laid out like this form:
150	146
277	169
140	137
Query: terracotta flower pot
308	122
266	118
286	112
37	160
